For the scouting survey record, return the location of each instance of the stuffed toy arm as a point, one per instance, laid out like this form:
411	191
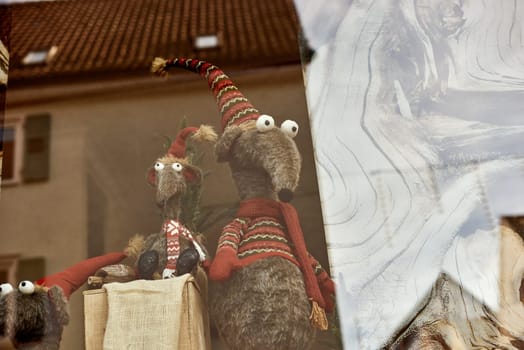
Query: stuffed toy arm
226	260
325	283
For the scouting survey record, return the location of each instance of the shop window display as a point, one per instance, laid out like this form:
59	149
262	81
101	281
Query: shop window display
108	118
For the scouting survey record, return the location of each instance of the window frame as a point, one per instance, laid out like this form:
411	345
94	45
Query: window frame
9	265
17	123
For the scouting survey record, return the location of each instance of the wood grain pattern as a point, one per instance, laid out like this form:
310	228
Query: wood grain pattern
416	114
454	319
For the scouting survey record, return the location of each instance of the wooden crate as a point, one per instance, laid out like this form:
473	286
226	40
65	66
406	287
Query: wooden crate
163	314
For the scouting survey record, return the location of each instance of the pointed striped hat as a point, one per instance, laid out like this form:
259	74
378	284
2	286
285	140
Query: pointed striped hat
234	107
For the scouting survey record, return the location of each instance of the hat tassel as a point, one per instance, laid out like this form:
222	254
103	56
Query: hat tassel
318	317
159	66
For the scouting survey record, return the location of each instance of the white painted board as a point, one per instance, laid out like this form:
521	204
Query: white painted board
417	116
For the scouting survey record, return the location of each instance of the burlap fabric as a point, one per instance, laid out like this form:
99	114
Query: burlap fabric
163	314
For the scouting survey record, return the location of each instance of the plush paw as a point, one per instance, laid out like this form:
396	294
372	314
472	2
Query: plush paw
224	263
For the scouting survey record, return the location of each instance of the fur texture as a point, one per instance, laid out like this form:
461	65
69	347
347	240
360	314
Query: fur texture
263	305
171	185
262	163
34	321
205	133
135	246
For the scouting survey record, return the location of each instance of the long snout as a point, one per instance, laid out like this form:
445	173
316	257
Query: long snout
283	165
169	185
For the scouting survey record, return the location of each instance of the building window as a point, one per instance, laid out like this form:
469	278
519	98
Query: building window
26	145
12	137
37	130
39	56
8	268
207	41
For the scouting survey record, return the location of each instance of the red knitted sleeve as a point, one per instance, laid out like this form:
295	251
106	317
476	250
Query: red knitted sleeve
226	259
230	238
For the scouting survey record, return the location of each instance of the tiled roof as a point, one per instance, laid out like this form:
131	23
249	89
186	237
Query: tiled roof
95	37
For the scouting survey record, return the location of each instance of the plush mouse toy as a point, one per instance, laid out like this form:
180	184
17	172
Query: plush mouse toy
269	293
33	315
175	250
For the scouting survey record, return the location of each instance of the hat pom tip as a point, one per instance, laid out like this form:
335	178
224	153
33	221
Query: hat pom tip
159	66
205	133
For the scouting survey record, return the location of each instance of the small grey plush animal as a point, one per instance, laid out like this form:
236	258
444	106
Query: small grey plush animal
34	315
175	250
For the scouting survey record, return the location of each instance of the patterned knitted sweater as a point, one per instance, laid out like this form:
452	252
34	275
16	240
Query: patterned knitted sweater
259	232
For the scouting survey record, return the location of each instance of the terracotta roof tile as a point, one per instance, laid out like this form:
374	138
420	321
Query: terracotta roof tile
115	36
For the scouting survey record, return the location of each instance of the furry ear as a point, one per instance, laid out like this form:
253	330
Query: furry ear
192	174
60	303
225	142
151	177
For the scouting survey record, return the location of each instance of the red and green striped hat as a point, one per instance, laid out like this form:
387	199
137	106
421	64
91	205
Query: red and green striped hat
234	107
202	133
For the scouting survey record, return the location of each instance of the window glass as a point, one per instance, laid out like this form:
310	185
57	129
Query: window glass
8	161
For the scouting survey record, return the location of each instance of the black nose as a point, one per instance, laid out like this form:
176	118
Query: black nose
285	195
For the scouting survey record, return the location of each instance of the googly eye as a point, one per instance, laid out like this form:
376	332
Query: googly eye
177	167
265	123
5	288
26	287
290	128
159	166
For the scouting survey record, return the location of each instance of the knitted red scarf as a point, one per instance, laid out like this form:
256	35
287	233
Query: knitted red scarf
173	231
257	207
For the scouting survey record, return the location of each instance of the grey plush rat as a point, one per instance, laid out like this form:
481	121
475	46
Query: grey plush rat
175	250
34	315
267	291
